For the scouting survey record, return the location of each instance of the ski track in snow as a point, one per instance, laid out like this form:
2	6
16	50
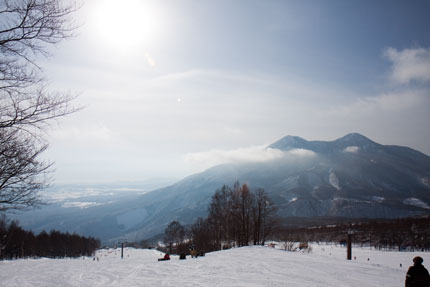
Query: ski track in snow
325	266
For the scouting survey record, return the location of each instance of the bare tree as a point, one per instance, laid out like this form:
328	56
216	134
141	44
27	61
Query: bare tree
203	238
3	234
264	216
220	216
257	214
174	233
237	215
22	174
27	107
243	200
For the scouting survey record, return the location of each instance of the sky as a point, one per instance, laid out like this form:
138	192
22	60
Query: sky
172	87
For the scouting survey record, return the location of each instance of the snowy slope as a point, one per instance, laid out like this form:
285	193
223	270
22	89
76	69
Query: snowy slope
249	266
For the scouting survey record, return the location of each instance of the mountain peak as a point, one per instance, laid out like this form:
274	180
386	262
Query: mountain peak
351	139
355	139
290	142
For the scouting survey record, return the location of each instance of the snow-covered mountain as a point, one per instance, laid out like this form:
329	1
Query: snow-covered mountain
349	177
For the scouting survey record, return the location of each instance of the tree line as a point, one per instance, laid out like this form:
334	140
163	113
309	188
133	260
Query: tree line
237	216
412	234
18	243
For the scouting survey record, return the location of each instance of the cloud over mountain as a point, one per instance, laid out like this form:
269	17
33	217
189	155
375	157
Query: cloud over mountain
409	64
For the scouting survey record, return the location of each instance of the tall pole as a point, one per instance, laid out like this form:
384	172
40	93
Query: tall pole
349	247
122	250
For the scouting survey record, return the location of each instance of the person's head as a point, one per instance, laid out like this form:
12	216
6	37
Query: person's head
418	260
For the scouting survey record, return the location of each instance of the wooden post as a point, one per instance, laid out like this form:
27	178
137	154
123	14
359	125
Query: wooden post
122	250
349	247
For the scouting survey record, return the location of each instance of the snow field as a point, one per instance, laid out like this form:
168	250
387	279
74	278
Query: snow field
325	266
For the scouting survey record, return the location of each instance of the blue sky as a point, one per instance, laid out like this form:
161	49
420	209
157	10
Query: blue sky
173	87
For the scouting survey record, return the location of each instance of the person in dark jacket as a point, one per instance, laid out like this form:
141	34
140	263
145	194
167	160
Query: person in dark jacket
417	275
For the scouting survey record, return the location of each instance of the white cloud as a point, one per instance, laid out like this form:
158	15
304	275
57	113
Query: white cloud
204	160
416	202
302	152
248	154
352	149
409	64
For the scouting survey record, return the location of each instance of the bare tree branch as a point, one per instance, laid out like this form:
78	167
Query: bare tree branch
22	174
27	107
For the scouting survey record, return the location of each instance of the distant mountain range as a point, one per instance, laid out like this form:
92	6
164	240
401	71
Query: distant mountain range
349	177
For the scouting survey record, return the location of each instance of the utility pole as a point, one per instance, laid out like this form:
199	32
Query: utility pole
349	245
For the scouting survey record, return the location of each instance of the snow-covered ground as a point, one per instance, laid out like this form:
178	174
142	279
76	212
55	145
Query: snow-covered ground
326	265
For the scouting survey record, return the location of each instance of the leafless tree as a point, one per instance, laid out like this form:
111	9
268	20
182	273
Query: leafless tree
202	236
236	215
27	106
174	233
264	215
22	174
243	200
220	216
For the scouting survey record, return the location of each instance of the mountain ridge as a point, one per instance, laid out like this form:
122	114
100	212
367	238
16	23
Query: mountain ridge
352	176
351	139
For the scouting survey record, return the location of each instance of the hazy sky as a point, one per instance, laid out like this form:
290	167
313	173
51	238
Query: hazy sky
173	87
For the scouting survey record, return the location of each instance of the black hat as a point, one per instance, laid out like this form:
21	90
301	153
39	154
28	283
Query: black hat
418	260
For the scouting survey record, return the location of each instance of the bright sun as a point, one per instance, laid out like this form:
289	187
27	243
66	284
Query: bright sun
126	24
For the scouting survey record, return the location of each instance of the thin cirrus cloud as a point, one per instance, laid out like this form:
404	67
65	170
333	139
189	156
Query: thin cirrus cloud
409	64
386	102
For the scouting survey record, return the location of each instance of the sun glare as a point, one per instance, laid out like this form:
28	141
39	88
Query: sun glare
126	24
